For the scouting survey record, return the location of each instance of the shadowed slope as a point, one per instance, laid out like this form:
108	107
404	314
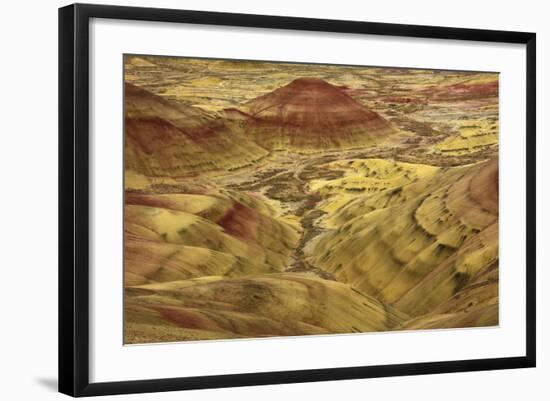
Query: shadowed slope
310	113
164	138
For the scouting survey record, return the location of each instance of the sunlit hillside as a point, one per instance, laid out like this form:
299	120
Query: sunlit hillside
255	305
418	245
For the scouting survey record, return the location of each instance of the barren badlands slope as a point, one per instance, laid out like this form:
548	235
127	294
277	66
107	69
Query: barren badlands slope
165	138
310	113
252	306
268	199
423	246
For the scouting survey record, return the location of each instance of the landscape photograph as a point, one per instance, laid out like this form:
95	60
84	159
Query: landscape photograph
269	199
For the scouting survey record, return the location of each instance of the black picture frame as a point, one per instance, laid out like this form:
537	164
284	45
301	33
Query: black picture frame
74	198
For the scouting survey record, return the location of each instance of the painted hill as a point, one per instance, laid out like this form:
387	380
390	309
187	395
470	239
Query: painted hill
164	138
252	306
430	246
176	236
310	113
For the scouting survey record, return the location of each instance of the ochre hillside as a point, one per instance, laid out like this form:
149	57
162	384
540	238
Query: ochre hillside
252	306
175	236
310	113
164	138
421	247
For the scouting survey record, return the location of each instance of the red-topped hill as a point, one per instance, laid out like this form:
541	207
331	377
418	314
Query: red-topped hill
312	113
166	138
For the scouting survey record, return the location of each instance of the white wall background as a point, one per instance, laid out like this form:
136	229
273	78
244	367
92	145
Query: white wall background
28	200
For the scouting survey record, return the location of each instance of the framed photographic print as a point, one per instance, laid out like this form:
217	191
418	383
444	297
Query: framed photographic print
249	199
